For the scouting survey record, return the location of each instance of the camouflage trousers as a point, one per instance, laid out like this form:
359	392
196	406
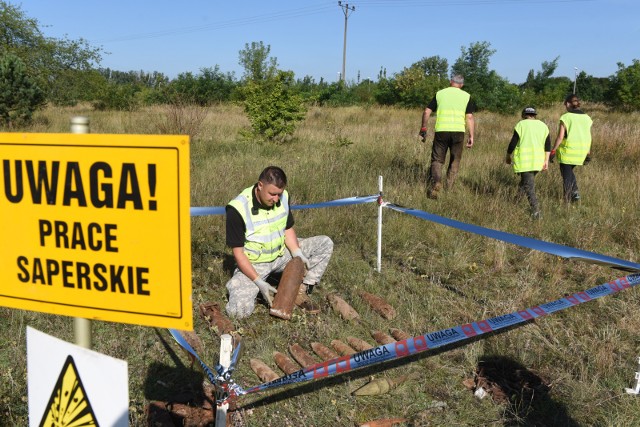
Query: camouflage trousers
243	292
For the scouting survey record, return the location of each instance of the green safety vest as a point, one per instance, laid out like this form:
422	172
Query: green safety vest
529	153
577	141
264	235
451	109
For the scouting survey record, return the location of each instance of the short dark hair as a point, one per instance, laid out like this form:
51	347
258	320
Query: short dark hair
573	100
273	175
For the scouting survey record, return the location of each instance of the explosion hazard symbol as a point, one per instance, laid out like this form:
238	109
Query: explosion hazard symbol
69	405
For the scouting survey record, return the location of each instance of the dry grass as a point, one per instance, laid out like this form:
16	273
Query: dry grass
435	277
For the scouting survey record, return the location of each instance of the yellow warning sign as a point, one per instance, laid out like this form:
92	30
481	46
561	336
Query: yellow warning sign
69	405
97	226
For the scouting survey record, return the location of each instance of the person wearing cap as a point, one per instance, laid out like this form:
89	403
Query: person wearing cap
528	153
454	113
259	226
573	145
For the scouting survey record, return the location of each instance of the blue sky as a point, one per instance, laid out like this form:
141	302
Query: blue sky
307	36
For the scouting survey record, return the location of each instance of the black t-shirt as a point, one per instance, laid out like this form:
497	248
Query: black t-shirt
236	227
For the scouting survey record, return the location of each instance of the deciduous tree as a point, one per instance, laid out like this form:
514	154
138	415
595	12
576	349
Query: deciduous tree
270	101
488	89
257	63
625	87
60	67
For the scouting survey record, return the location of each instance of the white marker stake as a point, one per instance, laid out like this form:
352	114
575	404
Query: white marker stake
226	348
380	225
635	390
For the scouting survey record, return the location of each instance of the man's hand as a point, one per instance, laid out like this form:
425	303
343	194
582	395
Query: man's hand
266	290
423	134
470	142
507	159
298	253
552	156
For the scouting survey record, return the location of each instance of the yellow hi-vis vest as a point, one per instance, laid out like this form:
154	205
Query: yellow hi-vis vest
264	235
577	141
451	110
529	153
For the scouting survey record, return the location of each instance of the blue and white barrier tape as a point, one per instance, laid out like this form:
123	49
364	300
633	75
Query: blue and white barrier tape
357	200
527	242
433	340
213	378
219	210
203	210
422	343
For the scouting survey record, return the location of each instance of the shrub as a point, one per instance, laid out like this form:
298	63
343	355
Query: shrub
272	107
20	96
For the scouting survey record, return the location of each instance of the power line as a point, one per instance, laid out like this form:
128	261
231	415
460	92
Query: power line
276	16
312	10
431	3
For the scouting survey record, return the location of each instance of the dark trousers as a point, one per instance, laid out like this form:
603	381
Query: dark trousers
443	142
528	187
569	183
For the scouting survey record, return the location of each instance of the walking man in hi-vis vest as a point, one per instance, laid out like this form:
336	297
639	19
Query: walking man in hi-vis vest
573	145
259	227
454	113
528	153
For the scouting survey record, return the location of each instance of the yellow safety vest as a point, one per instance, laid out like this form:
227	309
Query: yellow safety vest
264	235
451	110
577	141
529	153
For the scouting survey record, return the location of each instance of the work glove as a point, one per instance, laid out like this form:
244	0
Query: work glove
266	290
507	159
423	134
298	253
587	160
552	156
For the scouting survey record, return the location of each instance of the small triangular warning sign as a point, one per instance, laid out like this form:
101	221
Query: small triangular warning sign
69	405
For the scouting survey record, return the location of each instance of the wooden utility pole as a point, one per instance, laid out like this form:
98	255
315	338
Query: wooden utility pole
345	9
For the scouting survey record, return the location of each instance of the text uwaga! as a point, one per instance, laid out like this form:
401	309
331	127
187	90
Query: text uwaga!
62	184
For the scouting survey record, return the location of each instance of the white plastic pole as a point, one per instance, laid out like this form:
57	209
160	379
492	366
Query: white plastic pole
380	224
636	389
226	348
81	326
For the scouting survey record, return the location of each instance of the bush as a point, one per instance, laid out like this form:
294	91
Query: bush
118	97
19	95
272	108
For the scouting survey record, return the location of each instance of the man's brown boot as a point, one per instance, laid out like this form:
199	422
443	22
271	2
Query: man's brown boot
304	302
433	191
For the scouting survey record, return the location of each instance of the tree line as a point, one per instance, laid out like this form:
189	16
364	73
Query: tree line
36	70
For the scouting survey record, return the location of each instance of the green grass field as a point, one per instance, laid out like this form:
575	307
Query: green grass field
436	277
